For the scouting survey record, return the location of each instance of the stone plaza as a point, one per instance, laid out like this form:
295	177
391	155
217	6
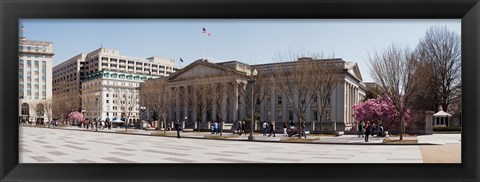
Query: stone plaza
74	145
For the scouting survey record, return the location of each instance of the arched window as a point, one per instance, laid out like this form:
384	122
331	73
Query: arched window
25	109
40	110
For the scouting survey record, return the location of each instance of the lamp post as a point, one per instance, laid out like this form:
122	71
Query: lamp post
252	79
141	120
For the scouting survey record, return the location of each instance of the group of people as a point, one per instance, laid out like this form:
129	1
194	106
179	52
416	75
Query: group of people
365	129
268	128
215	128
94	124
240	127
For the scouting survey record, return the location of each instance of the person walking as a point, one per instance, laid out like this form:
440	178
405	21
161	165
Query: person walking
367	130
178	128
272	129
264	128
215	127
243	127
285	129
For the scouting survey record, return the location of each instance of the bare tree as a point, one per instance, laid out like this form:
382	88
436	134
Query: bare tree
63	104
47	106
395	70
219	97
297	80
442	49
89	104
261	90
129	100
161	97
201	99
327	79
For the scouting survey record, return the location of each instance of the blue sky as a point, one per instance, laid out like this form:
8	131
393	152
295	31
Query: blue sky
248	41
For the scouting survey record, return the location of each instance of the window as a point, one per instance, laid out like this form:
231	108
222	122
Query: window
122	60
107	95
113	60
29	48
36	48
162	67
279	115
44	49
44	56
20	47
25	108
327	115
290	115
44	63
104	64
29	55
107	101
21	55
36	63
29	62
113	65
104	58
279	100
35	55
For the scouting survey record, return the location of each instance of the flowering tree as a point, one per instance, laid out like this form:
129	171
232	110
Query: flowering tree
75	116
380	111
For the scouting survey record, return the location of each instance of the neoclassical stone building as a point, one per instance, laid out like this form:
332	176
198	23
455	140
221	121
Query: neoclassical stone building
236	104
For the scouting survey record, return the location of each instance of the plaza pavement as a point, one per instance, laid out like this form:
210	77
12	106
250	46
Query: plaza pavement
68	145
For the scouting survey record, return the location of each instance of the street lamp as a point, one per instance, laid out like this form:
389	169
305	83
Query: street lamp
252	79
141	120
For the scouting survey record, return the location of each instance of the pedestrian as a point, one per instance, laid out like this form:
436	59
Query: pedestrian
367	130
285	128
212	127
242	127
362	128
359	129
272	129
303	130
178	128
292	125
216	127
264	128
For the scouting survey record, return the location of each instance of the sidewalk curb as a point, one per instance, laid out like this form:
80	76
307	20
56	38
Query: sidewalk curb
240	140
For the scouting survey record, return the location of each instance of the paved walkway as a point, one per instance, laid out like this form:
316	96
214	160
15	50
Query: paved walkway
45	145
438	139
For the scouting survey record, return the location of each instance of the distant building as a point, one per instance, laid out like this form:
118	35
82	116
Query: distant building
88	74
35	79
112	94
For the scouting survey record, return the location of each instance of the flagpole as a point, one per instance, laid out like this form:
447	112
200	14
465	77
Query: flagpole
203	45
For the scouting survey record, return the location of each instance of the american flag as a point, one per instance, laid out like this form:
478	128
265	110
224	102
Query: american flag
205	31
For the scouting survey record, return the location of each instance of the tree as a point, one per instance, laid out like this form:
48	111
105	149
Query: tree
219	97
201	99
48	106
159	96
261	90
395	70
75	116
380	111
128	104
63	104
304	79
442	49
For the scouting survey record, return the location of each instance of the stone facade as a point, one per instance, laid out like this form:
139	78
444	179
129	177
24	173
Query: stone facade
35	80
349	90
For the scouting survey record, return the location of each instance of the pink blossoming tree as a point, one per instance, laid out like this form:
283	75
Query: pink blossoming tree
75	116
380	111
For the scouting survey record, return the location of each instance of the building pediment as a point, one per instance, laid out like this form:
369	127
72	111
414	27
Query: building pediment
199	69
353	69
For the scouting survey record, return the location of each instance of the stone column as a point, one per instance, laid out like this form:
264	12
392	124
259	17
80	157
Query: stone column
244	103
177	102
185	104
235	102
428	122
224	105
273	102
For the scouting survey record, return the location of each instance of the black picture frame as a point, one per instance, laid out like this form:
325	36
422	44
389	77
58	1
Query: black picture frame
466	10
